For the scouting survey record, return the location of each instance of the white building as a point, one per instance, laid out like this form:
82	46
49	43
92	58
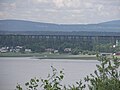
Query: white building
28	50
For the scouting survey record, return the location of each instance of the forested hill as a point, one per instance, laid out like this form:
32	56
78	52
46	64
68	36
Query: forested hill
21	25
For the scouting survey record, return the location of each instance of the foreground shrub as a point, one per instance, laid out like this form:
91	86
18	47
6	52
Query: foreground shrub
106	77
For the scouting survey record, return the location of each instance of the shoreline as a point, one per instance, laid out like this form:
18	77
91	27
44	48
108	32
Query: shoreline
50	56
77	58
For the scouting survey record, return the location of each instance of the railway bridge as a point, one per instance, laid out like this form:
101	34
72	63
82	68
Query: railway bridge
52	37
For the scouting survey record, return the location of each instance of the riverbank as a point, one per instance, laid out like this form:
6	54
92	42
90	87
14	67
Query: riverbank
49	56
82	57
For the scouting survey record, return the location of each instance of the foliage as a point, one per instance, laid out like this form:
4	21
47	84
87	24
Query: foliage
32	84
53	82
75	51
88	52
79	86
104	47
36	47
106	77
39	44
18	87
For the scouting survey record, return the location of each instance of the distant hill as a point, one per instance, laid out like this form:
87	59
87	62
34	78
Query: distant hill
21	25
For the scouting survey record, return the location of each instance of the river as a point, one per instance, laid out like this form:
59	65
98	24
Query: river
15	70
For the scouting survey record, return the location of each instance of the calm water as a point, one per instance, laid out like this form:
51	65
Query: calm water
19	70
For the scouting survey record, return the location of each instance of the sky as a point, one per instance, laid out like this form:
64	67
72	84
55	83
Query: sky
61	11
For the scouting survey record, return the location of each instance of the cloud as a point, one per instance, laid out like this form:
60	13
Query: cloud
100	7
8	6
66	3
13	5
40	1
61	11
4	14
59	3
1	14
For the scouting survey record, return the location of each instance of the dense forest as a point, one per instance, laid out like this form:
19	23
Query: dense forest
77	44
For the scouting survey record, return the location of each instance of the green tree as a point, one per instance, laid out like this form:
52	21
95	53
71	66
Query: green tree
75	51
107	75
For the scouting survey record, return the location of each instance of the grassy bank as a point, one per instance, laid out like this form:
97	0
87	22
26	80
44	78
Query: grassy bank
83	57
49	56
18	54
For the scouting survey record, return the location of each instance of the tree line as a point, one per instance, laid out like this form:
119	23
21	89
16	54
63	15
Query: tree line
76	45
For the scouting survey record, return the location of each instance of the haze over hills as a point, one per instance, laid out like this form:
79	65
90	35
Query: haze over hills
21	25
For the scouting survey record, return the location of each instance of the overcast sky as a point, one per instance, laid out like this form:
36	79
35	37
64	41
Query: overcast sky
61	11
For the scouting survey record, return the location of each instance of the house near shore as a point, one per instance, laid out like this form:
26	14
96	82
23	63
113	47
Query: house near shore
55	51
28	50
4	49
49	50
67	50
